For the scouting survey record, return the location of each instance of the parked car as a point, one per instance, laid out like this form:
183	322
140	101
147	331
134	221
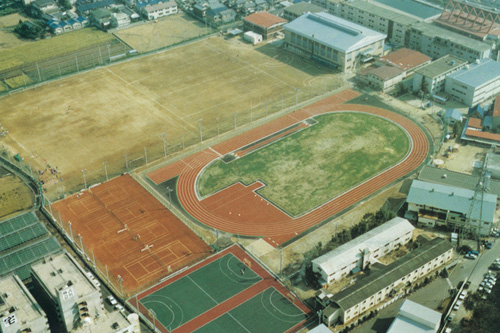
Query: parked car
457	305
467	285
112	300
119	307
450	317
462	295
470	255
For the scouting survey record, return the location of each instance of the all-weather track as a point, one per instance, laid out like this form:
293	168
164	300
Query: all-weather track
238	209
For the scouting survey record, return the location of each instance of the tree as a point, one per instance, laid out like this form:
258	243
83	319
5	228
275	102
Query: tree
64	4
28	29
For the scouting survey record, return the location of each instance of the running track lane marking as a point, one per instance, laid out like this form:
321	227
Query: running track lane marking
215	151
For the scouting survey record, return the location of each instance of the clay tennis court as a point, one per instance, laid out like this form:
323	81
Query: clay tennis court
130	232
227	292
247	213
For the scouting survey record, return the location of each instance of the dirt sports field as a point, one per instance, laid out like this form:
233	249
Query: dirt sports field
167	31
112	114
15	196
130	232
240	209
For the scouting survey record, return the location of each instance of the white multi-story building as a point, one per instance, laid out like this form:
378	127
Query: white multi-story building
395	24
19	312
474	83
370	291
415	318
444	205
363	250
332	40
74	296
154	12
431	78
437	42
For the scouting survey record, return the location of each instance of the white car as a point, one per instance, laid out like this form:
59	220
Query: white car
119	307
488	290
457	305
462	296
112	300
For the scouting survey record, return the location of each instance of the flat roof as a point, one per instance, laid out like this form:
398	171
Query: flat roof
14	294
420	313
304	7
405	58
441	66
483	135
265	19
387	13
333	31
403	324
416	8
452	198
373	239
385	72
452	178
478	74
376	281
60	271
433	30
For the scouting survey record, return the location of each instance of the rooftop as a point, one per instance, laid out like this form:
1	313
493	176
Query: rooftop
452	198
420	314
372	240
483	135
385	72
496	107
416	8
478	74
15	295
375	9
403	324
337	33
441	66
303	7
161	5
456	179
453	114
59	272
405	59
264	19
384	277
475	123
434	31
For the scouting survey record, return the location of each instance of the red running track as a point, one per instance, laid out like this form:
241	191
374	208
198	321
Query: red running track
278	228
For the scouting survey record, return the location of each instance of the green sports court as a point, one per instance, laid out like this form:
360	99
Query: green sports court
227	292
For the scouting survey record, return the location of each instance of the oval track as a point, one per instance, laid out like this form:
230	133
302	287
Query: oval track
189	200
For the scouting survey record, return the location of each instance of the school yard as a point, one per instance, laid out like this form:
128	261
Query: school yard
111	119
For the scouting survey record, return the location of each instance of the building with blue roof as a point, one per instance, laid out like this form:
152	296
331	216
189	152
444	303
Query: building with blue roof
475	83
443	205
332	40
451	116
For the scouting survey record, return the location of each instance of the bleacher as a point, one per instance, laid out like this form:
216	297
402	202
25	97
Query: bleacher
23	241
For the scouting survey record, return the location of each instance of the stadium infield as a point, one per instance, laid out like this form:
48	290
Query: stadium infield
128	231
228	291
239	209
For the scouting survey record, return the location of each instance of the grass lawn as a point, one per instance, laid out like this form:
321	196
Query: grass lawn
52	47
310	167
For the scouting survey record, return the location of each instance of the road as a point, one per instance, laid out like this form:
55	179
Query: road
433	294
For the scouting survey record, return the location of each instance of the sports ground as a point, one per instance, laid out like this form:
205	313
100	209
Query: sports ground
124	228
240	209
227	292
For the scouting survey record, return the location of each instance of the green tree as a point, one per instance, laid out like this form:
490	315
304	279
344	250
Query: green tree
64	4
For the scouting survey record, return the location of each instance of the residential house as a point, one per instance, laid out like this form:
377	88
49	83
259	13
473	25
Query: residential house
265	24
153	12
101	18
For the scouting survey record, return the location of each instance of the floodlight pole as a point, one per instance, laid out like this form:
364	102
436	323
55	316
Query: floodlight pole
146	155
201	132
153	314
76	61
164	144
281	263
126	161
84	180
81	242
251	111
182	141
218	132
105	170
120	279
296	95
169	197
235	120
70	231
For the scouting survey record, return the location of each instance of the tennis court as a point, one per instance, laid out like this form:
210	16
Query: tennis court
229	291
268	312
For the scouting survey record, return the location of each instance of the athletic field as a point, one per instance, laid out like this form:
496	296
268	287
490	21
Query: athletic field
308	163
374	148
228	292
120	116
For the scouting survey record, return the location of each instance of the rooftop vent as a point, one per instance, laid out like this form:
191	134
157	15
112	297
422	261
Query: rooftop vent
445	176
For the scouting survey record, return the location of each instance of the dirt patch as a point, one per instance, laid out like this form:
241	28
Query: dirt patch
462	160
15	196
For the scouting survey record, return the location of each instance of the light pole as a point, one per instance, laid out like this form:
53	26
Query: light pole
126	161
84	180
218	132
201	132
105	170
235	120
70	231
81	242
164	144
120	279
153	314
169	197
